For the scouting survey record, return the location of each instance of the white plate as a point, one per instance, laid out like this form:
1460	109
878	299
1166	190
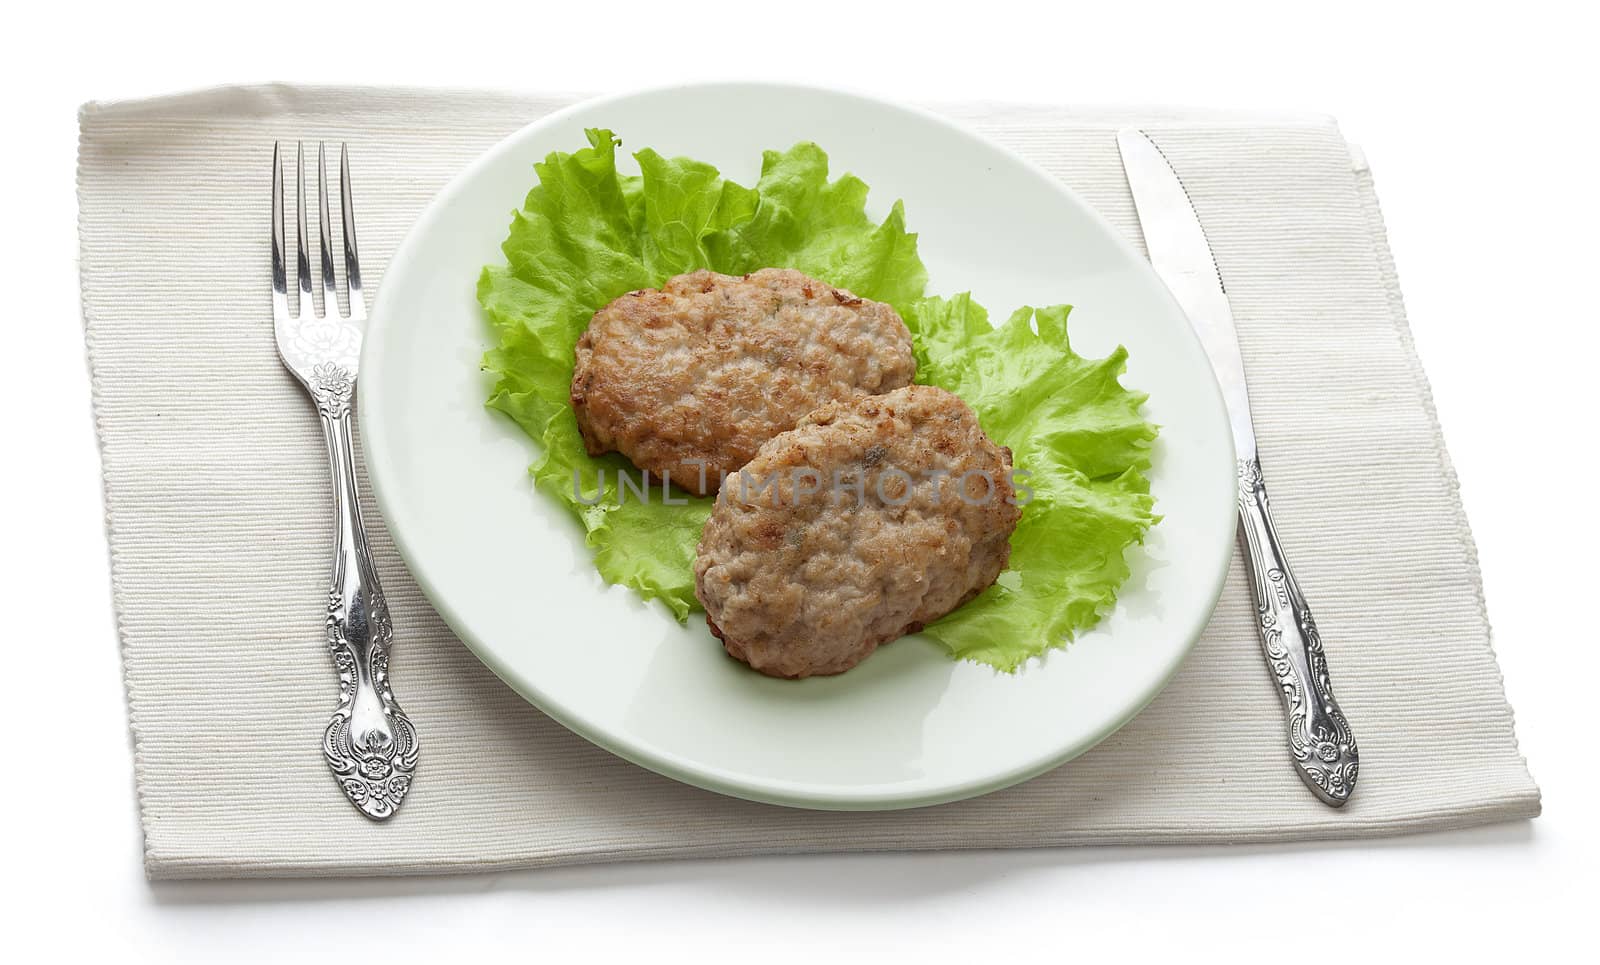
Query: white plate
509	573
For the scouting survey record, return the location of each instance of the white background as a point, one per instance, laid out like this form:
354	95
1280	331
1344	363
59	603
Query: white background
1480	128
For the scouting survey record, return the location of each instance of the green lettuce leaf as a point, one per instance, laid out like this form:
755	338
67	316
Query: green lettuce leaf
587	233
1079	436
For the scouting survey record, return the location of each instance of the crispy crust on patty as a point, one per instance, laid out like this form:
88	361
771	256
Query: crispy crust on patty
797	583
707	368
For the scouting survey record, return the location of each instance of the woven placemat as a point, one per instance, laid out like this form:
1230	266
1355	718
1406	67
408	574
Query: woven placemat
217	499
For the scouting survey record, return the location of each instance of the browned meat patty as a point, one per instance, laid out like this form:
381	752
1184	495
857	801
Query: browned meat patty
708	367
797	582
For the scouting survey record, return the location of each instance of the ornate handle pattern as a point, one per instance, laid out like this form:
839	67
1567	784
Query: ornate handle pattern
370	744
1324	749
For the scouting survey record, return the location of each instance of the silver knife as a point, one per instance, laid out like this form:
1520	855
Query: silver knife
1324	749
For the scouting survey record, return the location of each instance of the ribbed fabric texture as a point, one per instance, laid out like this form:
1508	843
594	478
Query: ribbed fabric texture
218	511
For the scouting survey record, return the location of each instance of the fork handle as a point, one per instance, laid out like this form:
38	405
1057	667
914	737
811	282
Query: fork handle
1320	740
369	744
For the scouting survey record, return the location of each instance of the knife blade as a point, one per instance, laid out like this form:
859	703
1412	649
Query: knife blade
1321	743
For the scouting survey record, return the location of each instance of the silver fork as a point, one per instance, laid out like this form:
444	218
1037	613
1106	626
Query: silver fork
370	744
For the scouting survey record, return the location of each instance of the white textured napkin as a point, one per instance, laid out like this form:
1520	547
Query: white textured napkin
218	511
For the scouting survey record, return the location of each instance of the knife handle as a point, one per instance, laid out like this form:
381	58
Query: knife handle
1324	749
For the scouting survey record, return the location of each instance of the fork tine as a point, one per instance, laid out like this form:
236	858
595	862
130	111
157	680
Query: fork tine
280	273
308	305
352	260
330	287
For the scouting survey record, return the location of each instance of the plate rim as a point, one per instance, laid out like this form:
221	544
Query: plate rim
879	797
